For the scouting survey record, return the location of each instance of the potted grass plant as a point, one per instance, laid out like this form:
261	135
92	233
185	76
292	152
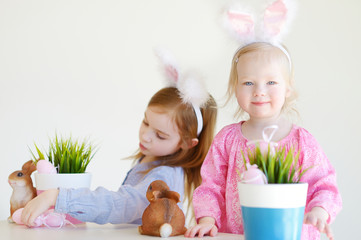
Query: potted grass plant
69	158
63	165
67	155
271	195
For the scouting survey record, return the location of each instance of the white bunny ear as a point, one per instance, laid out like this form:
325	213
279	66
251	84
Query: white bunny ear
193	90
169	65
240	23
277	18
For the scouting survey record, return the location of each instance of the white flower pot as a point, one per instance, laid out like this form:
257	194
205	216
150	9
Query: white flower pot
272	211
64	180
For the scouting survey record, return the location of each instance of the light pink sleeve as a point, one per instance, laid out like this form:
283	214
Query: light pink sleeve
209	197
321	177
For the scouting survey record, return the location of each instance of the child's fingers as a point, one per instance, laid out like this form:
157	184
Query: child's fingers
328	232
214	231
30	213
310	219
25	218
186	234
31	220
202	232
192	231
211	230
325	228
320	226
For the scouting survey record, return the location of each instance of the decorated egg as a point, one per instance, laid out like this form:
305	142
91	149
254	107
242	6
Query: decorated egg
44	166
253	175
52	219
17	216
48	218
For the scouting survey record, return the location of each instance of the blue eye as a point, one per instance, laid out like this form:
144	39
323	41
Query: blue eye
248	83
271	83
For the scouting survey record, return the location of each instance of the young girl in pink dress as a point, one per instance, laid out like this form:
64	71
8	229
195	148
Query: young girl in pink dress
261	79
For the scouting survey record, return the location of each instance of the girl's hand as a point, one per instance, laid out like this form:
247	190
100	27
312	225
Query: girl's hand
38	205
205	226
318	217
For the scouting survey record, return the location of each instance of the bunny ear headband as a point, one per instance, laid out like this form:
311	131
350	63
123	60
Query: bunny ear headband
191	88
269	28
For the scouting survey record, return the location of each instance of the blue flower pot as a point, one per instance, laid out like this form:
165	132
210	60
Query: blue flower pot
272	211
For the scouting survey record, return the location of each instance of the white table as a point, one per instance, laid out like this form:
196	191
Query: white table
89	231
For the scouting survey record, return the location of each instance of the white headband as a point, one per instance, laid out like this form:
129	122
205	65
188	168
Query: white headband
191	88
198	113
269	28
278	46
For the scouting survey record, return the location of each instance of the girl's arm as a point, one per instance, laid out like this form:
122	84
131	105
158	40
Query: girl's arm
323	198
123	206
38	205
103	206
209	197
321	178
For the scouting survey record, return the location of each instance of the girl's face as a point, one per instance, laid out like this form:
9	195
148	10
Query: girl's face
262	87
158	134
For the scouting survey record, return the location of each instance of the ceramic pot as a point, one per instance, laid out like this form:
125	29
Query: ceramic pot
64	180
272	211
45	181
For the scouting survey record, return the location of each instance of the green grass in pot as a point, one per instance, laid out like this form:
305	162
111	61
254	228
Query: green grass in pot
280	167
67	155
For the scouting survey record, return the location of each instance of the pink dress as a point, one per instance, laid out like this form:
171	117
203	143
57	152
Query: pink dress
217	196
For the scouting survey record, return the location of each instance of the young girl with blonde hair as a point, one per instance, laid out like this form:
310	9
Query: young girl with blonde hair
174	138
261	79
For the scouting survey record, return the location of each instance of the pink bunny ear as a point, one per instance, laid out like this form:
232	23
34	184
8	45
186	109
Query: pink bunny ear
169	65
241	23
275	18
171	73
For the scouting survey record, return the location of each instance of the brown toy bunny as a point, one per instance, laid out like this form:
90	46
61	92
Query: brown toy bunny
163	217
23	189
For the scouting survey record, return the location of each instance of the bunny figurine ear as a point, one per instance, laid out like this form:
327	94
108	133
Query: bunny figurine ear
29	167
170	66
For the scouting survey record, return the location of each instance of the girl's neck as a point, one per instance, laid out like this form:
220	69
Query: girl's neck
252	129
147	159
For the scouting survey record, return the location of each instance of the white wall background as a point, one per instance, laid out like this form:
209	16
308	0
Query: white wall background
87	68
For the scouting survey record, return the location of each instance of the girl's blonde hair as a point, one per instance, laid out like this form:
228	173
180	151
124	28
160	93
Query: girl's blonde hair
190	159
275	54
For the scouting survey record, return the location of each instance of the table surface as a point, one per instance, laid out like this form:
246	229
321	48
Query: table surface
87	231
